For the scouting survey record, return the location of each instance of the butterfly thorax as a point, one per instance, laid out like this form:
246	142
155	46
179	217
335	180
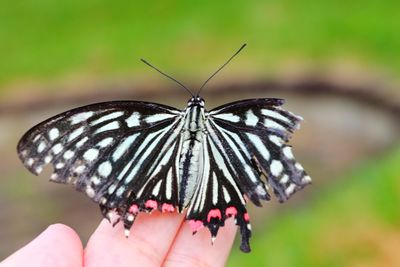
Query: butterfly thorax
192	143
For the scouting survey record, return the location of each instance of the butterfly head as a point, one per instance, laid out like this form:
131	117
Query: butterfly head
196	101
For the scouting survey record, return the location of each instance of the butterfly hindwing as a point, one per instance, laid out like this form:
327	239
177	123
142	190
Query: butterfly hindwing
218	196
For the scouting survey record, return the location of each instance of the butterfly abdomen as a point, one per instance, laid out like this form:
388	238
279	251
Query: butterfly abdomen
189	167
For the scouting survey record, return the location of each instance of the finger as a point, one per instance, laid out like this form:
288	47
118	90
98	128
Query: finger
148	243
58	245
197	250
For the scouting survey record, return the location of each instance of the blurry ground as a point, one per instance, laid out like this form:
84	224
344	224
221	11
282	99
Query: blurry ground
342	129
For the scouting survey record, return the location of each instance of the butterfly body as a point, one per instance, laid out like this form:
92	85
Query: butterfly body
132	157
190	159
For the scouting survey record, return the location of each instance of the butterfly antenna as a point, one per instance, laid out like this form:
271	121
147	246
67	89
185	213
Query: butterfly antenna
220	68
166	75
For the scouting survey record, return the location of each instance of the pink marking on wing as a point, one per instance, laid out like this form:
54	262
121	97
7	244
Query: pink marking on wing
246	217
151	204
167	207
195	225
231	211
134	209
215	213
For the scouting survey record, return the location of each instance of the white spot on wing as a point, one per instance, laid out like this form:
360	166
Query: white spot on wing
57	148
95	180
276	140
90	192
105	169
80	169
158	117
168	185
272	124
284	179
80	117
105	142
41	147
110	126
54	133
306	180
275	115
37	137
276	168
156	189
251	119
75	133
123	147
228	117
112	188
260	190
298	166
47	159
91	154
290	189
30	161
287	151
82	141
108	117
68	154
215	190
259	145
227	197
133	120
120	190
59	165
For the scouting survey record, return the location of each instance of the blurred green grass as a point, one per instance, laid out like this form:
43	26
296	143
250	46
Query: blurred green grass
353	222
45	39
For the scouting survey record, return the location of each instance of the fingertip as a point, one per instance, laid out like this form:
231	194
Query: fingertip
57	245
65	231
147	245
198	250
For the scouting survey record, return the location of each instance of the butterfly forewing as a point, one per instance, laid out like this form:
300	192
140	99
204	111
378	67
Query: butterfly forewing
256	132
103	148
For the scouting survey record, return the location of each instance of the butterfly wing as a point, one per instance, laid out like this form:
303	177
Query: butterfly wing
256	131
121	153
246	139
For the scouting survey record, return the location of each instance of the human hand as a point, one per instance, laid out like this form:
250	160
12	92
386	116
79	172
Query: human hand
156	239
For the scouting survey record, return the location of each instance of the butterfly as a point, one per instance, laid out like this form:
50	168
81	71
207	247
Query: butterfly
134	156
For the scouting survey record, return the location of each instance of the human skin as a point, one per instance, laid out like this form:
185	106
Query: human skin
156	239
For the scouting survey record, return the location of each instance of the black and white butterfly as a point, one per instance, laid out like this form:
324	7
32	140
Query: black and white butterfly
133	157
